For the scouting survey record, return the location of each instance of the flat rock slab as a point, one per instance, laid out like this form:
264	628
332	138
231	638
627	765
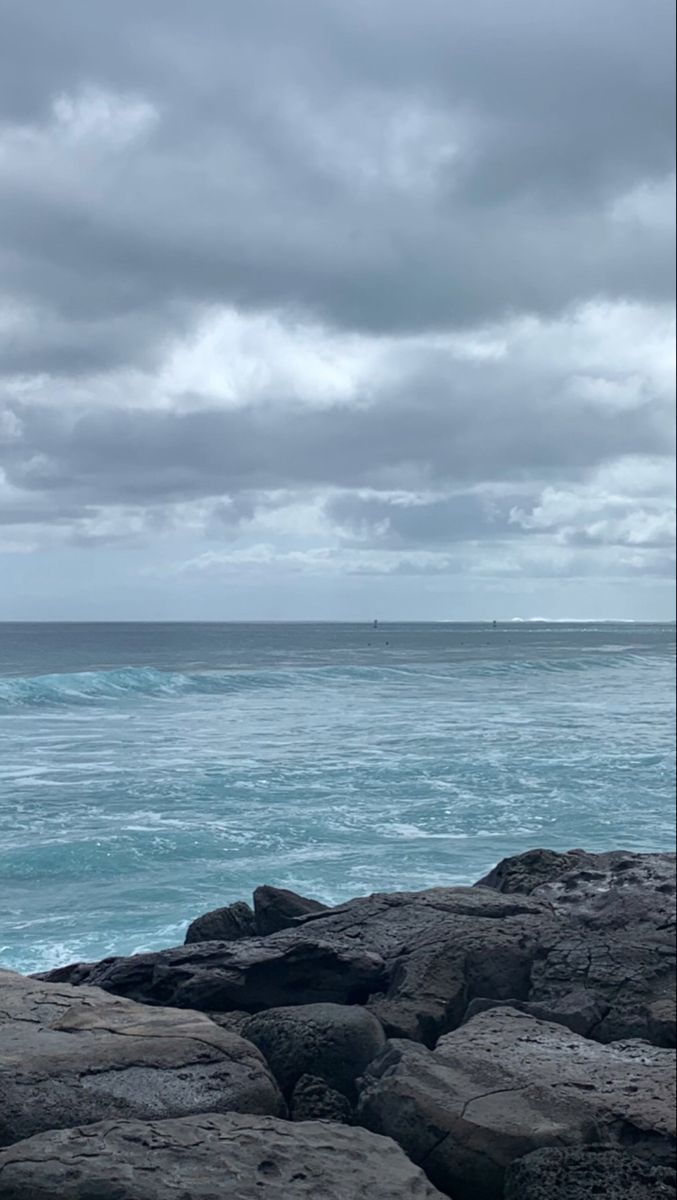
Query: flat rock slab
72	1056
507	1084
589	1174
211	1158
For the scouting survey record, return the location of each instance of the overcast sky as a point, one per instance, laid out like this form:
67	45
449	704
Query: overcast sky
335	309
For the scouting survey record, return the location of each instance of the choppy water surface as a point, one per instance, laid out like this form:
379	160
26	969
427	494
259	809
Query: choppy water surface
150	772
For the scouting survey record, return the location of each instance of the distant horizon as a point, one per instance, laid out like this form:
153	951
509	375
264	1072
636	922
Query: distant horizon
498	621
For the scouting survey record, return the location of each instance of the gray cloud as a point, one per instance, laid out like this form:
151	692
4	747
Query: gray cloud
385	168
456	221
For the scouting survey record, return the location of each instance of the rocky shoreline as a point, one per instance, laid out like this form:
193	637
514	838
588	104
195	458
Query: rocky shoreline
510	1041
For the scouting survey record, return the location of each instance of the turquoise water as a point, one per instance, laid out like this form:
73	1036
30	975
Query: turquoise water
151	772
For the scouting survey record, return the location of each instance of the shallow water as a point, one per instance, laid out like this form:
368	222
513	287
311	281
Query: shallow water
150	772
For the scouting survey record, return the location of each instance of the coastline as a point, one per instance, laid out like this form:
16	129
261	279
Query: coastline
512	1039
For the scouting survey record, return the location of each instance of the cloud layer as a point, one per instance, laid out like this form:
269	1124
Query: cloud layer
369	298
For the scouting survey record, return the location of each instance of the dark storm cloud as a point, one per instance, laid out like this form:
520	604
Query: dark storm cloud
267	179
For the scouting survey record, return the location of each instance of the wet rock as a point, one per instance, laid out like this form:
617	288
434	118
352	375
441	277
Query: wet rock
277	909
314	1100
210	1158
72	1056
507	1084
223	925
591	1173
330	1041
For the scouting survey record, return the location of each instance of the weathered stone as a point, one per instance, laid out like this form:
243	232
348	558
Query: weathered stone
276	909
611	972
314	1100
333	1042
256	973
210	1157
603	966
592	1173
507	1084
223	925
72	1056
609	984
415	959
232	1022
617	890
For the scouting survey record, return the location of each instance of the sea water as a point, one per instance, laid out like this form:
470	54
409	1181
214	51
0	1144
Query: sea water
151	772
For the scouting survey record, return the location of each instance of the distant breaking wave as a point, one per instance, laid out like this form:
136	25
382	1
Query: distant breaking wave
90	688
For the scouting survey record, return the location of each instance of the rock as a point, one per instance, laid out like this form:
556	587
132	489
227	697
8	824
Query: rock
611	973
333	1042
313	1100
416	959
72	1056
277	909
233	1022
617	890
609	984
586	1173
603	965
523	873
507	1084
256	973
223	925
210	1157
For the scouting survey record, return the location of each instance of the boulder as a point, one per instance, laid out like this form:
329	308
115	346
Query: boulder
256	973
276	909
333	1042
602	965
507	1084
210	1157
73	1056
415	959
611	973
313	1100
233	1022
617	890
223	925
587	1173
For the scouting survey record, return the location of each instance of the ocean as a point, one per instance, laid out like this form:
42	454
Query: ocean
149	773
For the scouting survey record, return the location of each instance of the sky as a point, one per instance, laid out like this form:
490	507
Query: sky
320	309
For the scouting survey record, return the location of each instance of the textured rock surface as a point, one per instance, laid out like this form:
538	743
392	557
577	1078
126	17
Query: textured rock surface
313	1100
611	972
587	1174
223	925
332	1042
417	957
71	1056
276	909
592	947
506	1084
613	890
210	1158
287	968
